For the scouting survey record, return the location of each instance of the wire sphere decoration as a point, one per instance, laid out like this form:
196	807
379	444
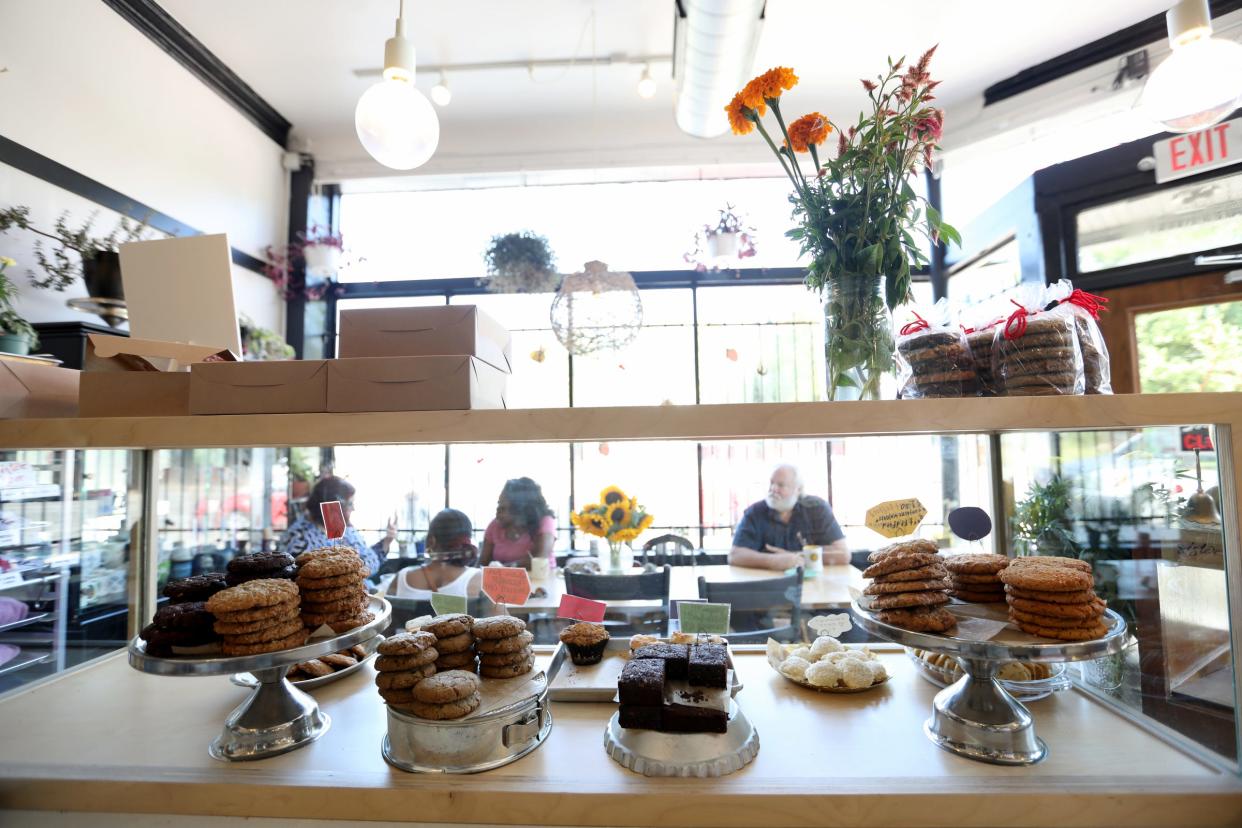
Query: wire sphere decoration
596	310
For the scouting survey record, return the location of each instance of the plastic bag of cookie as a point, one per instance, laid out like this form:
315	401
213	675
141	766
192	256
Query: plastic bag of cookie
1085	308
933	359
1035	353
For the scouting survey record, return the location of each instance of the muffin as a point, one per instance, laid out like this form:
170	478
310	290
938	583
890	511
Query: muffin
585	642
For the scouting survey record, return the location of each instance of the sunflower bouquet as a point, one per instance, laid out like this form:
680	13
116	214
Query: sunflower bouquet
618	518
858	217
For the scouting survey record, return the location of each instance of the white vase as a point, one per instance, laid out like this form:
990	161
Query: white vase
322	260
722	245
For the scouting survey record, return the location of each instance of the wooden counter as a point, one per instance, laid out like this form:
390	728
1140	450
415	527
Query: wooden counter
107	738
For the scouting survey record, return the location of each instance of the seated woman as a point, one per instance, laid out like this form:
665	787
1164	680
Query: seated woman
523	526
307	531
452	562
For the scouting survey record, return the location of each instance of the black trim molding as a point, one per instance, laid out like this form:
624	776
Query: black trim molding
149	17
40	166
1129	39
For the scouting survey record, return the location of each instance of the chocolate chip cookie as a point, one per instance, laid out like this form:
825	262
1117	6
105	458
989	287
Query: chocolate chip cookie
929	598
921	619
450	624
265	592
498	626
195	588
447	687
403	679
890	587
404	644
448	710
504	645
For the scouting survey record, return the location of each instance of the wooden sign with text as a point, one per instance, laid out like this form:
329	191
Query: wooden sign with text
895	518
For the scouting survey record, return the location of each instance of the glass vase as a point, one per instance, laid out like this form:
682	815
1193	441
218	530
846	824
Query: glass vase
858	337
620	558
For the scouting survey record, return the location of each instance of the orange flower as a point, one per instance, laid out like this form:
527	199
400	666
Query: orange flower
740	116
808	130
768	86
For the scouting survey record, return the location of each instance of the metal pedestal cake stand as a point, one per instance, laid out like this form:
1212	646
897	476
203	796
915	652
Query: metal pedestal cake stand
276	717
976	717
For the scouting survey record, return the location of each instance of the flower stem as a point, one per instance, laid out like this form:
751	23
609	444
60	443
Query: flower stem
780	157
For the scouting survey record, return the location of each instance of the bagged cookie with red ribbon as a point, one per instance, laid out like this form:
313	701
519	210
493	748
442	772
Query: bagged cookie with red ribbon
978	323
933	359
1036	352
1086	308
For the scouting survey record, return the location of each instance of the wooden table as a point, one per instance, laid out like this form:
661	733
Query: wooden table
108	738
828	590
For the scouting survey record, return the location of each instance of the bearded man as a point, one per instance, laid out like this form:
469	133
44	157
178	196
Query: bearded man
773	531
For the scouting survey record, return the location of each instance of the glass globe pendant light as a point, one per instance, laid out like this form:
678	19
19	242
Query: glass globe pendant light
396	124
1200	83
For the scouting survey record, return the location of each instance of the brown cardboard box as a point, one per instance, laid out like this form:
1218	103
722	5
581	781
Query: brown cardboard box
128	377
421	383
31	389
450	330
287	387
134	394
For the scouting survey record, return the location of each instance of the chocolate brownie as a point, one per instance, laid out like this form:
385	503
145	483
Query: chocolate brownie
195	588
685	711
640	717
708	666
676	657
642	682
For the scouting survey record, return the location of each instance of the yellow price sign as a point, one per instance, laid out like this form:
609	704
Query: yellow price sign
894	518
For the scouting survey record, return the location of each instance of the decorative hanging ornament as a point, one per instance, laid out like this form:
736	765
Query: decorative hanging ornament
596	310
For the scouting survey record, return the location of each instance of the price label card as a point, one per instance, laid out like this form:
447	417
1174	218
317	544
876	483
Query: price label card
506	585
970	523
581	609
704	618
443	603
895	518
333	519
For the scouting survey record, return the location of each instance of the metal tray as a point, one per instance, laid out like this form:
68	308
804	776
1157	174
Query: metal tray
569	682
470	745
248	680
653	753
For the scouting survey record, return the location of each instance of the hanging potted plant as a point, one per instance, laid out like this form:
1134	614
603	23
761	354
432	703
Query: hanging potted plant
76	253
857	213
716	244
16	334
322	251
520	263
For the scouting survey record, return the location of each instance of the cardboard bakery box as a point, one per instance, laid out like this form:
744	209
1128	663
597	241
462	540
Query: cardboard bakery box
29	388
448	330
419	383
125	377
297	386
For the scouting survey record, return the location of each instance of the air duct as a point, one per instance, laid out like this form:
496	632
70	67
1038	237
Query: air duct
713	56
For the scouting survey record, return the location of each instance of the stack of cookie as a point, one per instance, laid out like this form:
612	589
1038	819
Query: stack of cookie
259	616
504	646
333	585
910	587
980	344
454	641
1054	598
405	660
974	577
184	621
448	695
1044	360
245	568
940	365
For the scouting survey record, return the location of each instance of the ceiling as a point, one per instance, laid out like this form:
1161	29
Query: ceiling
300	56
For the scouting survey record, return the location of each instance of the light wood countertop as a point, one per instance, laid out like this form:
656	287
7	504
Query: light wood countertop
107	738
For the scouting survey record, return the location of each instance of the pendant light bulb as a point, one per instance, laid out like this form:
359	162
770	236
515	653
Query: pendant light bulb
1200	83
395	123
440	93
646	84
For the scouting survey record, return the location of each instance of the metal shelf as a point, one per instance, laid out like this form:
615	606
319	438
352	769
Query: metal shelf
46	578
22	662
30	619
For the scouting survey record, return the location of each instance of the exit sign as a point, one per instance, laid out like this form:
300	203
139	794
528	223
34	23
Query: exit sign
1196	152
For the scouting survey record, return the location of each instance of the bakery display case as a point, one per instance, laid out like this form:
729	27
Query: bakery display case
1105	479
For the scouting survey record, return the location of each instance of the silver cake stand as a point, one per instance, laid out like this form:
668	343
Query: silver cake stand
276	717
976	717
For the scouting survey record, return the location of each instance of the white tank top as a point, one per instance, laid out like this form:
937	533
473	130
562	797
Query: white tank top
455	587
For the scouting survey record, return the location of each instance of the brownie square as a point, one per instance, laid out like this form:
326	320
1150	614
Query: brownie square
640	717
642	682
679	719
708	665
676	657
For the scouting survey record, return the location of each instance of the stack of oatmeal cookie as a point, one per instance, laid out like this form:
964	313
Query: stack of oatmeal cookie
405	660
259	616
1054	598
975	577
332	581
910	587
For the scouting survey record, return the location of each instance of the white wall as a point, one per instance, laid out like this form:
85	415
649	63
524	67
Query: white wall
89	91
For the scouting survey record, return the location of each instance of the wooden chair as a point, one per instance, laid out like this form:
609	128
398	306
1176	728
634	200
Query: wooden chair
759	607
668	549
649	586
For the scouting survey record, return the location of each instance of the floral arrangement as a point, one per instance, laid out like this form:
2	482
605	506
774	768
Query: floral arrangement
317	252
520	263
858	217
61	268
712	241
617	517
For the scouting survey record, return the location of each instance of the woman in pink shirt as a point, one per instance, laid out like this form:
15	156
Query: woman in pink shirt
523	526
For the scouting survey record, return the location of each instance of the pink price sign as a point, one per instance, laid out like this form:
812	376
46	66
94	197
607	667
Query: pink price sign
506	585
581	609
333	519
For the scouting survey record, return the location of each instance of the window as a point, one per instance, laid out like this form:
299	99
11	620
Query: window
663	476
1198	348
540	365
478	472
